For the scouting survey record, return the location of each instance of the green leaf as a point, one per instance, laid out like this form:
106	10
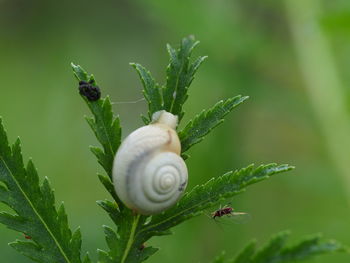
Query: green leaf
276	251
207	120
112	242
107	130
122	244
310	247
112	209
126	243
124	247
87	259
35	212
80	73
211	193
270	252
141	254
246	254
104	124
108	184
180	74
220	258
151	91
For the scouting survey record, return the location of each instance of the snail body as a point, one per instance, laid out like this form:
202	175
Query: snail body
149	174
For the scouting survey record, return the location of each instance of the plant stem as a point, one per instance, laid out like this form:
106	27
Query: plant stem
131	237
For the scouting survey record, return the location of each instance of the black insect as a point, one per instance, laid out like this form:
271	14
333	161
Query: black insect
86	89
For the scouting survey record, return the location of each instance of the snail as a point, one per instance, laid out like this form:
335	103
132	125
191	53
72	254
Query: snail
149	174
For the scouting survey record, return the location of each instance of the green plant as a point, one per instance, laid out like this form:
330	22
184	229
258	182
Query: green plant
50	239
276	251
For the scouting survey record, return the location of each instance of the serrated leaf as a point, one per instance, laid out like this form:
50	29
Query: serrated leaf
108	184
126	242
80	73
271	251
30	250
220	258
112	209
106	127
180	74
128	232
103	257
151	90
35	212
128	252
87	259
211	193
141	254
310	247
108	132
207	120
123	245
276	251
246	254
112	242
75	243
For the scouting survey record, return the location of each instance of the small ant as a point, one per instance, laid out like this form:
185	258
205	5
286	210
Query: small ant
27	237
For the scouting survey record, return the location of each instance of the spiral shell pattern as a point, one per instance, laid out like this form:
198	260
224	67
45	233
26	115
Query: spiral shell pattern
148	173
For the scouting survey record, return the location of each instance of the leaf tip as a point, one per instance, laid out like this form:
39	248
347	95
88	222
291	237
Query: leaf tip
191	37
286	167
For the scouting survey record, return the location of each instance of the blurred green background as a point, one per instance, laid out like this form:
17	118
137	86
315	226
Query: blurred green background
291	57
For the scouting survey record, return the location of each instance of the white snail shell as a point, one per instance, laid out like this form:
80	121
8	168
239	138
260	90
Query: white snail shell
149	174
